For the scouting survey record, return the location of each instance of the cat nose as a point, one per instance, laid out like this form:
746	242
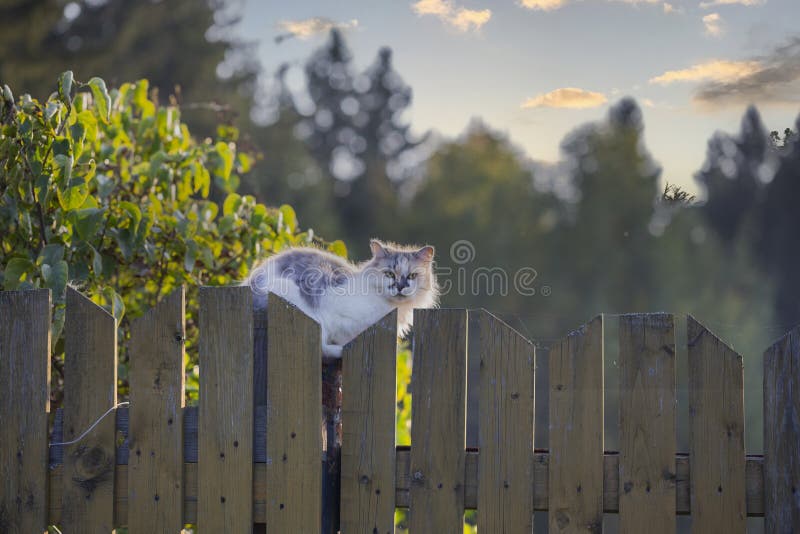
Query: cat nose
402	283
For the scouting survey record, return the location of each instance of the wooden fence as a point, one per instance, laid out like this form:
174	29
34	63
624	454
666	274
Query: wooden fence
252	451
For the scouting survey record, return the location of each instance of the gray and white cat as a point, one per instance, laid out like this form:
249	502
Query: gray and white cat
345	298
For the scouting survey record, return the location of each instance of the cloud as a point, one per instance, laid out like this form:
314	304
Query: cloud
706	5
566	97
306	28
458	17
550	5
716	70
713	24
775	79
671	8
542	5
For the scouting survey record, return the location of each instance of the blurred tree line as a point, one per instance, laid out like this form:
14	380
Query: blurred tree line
598	234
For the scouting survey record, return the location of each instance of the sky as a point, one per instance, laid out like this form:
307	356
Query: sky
537	69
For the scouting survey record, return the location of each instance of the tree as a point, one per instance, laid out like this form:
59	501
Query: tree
356	135
751	183
165	42
108	190
285	171
607	222
778	222
733	174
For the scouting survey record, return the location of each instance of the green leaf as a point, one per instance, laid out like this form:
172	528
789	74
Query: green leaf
89	122
141	101
201	179
65	88
245	162
190	257
16	269
88	222
134	213
231	204
225	152
339	248
101	98
289	218
55	276
117	305
97	262
59	314
73	197
51	254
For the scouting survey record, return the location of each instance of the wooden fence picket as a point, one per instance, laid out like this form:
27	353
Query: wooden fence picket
782	435
252	456
575	487
716	433
155	436
294	414
368	454
438	420
647	424
24	404
505	428
225	434
90	389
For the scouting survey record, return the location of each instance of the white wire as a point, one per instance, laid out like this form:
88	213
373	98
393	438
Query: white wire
97	422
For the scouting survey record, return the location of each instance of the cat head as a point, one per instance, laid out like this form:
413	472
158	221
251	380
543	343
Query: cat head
403	274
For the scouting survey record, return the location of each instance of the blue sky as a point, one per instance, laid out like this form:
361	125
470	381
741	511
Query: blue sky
536	69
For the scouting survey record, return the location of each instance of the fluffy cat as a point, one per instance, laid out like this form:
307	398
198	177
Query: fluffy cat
345	298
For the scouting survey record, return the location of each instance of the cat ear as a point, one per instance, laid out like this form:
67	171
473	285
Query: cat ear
425	253
377	248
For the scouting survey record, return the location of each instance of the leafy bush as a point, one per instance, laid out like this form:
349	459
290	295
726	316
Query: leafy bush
108	190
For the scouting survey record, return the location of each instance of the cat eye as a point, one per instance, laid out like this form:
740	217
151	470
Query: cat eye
412	276
389	274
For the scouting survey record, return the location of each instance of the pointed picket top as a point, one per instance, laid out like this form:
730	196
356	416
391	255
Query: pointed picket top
294	412
716	432
505	426
782	434
78	301
696	330
90	389
156	376
368	445
576	429
386	323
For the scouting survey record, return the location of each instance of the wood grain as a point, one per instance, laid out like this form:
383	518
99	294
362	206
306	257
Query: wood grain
369	373
294	413
647	424
438	420
716	433
782	434
156	375
506	423
576	431
90	389
24	403
225	434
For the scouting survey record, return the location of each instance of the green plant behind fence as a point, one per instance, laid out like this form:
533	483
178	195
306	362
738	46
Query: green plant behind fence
108	190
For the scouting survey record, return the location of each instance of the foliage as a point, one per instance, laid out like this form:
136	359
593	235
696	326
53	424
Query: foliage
354	134
183	43
752	186
673	194
109	191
